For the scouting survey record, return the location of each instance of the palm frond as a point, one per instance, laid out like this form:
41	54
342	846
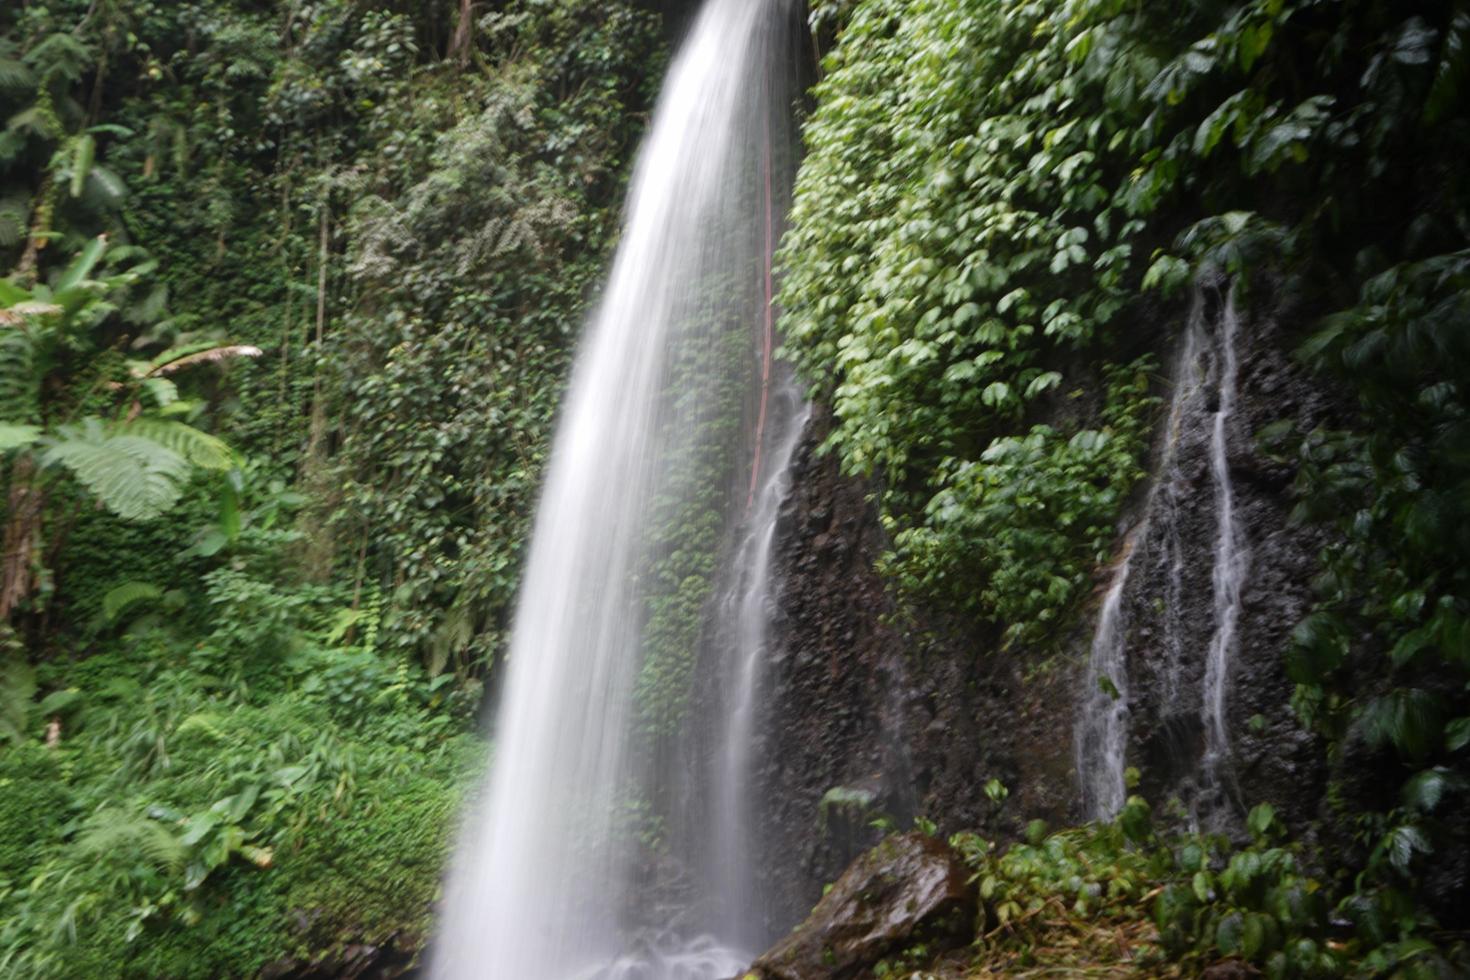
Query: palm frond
59	56
15	75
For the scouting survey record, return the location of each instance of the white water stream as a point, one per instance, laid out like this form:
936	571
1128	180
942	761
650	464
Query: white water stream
552	879
1208	364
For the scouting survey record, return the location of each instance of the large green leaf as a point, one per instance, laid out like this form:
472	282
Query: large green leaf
135	477
13	436
200	448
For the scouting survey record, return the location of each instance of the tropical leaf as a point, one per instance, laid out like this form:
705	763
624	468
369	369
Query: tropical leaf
19	386
135	477
104	189
15	75
115	833
118	600
82	266
200	448
15	212
13	435
83	157
187	357
60	55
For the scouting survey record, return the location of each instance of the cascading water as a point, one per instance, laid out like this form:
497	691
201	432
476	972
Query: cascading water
552	879
748	614
1102	732
1228	575
1201	416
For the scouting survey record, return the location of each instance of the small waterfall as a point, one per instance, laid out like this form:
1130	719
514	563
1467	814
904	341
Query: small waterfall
746	608
1228	575
565	870
1102	739
1201	415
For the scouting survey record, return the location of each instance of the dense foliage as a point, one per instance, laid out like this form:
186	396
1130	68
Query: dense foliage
287	291
993	185
291	289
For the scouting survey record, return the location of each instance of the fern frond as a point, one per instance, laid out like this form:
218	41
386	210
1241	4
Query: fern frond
135	477
15	75
19	386
84	156
200	448
114	832
126	595
59	56
15	213
13	436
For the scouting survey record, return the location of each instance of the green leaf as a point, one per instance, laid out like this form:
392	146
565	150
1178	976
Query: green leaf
82	267
81	166
1230	934
200	448
134	477
128	594
58	702
13	436
1457	734
1261	819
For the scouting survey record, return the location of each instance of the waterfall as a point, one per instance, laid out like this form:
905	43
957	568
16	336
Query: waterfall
746	608
559	872
1102	739
1200	419
1228	574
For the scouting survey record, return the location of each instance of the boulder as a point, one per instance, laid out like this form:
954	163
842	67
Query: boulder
909	889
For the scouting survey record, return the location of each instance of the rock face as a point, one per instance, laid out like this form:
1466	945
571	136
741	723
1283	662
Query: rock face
916	717
909	889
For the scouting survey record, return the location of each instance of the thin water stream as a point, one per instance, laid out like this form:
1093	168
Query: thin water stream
1200	420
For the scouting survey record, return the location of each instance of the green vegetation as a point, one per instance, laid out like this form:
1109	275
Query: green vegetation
287	300
999	192
287	294
1119	900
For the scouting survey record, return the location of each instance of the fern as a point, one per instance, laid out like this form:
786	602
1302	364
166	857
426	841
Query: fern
13	436
136	477
15	74
60	56
19	386
15	211
200	448
127	595
114	833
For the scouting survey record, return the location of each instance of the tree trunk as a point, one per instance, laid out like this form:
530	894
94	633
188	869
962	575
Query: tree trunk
22	534
464	34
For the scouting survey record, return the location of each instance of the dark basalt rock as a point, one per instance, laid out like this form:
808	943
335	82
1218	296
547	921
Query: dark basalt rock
911	888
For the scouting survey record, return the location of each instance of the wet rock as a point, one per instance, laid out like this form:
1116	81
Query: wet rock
911	888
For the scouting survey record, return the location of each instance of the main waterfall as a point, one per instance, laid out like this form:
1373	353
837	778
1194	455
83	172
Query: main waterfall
663	487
